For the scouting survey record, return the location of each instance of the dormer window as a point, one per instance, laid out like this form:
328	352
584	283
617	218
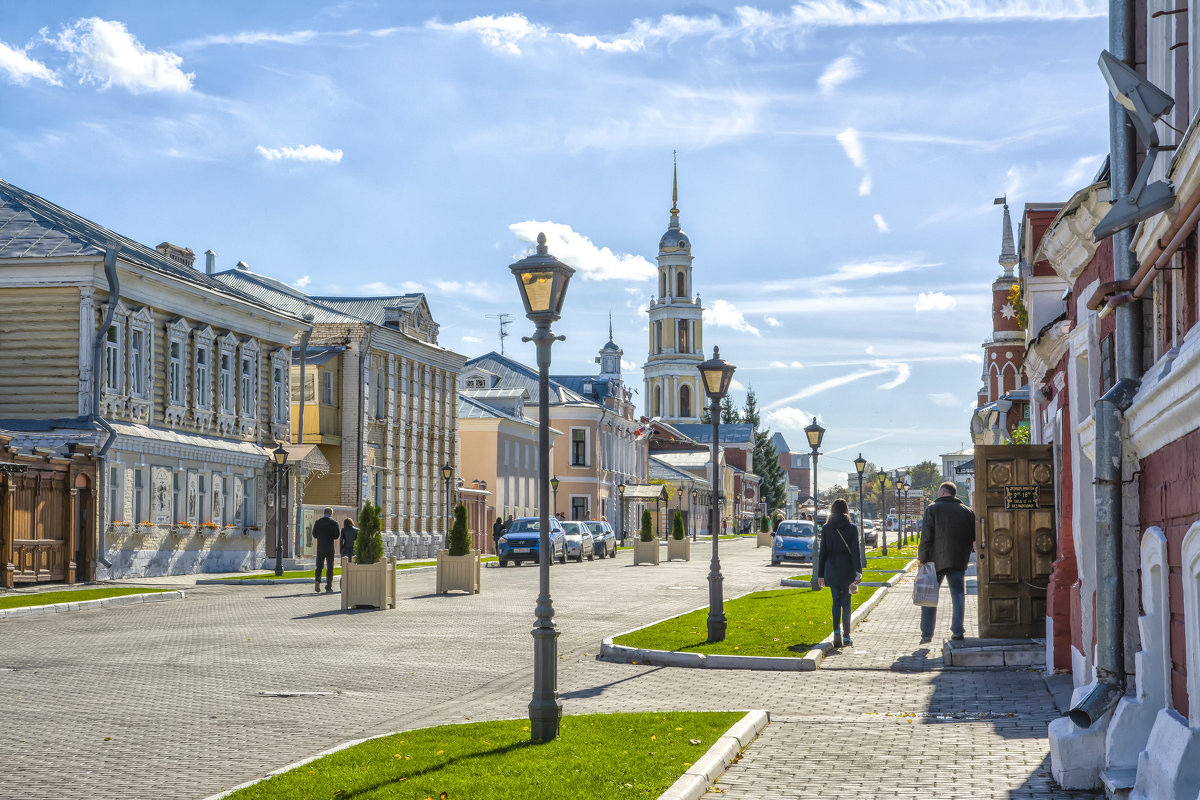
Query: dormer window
476	382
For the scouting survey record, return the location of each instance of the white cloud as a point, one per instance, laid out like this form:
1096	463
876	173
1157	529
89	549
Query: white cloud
575	249
251	38
774	323
903	371
852	144
381	289
723	314
777	365
303	283
104	52
837	73
736	386
619	44
945	399
881	224
468	288
934	301
472	340
308	152
1082	171
788	418
797	365
20	67
505	33
861	270
627	366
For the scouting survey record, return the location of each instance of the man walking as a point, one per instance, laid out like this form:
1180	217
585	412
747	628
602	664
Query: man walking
947	539
325	532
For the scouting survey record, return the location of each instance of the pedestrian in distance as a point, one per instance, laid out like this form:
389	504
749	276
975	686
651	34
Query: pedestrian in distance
947	539
346	540
325	533
497	532
840	566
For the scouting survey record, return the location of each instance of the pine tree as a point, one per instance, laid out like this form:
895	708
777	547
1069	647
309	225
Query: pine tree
368	545
460	542
773	483
647	534
729	414
677	525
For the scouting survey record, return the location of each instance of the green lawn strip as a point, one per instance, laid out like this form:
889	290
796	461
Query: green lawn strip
909	552
72	596
868	577
780	622
258	576
887	563
642	755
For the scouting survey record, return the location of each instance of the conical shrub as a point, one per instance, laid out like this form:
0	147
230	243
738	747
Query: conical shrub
677	525
460	542
368	545
647	534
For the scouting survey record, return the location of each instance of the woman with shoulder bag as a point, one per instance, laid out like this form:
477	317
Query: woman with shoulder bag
840	566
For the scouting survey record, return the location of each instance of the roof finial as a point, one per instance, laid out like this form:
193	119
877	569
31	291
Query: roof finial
1008	250
674	183
610	326
541	244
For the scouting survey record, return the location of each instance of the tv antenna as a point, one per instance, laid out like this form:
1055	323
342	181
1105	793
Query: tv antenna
505	321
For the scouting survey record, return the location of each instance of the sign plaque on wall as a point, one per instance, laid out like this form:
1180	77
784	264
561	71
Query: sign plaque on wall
1021	497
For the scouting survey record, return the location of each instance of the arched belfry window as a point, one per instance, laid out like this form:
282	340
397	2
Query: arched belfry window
657	402
683	336
680	285
685	401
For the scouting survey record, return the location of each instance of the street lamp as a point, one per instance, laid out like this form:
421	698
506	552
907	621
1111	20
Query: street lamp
447	474
899	512
554	486
543	280
907	486
692	513
717	375
621	492
860	464
280	454
882	476
815	434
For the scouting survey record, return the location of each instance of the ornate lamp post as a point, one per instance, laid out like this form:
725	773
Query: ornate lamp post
621	493
447	474
543	280
280	454
815	434
860	464
554	487
904	524
899	511
882	476
692	513
717	375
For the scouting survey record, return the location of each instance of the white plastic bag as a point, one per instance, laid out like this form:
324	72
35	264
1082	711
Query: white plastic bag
925	588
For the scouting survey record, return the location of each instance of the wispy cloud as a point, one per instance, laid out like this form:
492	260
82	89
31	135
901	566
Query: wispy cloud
308	152
724	314
472	339
945	399
505	33
254	38
934	301
770	320
1081	172
19	67
380	288
881	224
833	383
838	72
468	288
105	53
856	445
789	418
852	144
578	251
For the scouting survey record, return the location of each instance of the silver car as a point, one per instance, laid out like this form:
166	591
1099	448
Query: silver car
579	540
604	536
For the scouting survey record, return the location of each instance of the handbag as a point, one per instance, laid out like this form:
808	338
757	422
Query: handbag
925	588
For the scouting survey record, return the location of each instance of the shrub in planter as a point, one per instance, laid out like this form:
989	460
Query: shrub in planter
647	526
764	524
645	550
459	543
678	546
372	580
458	565
677	525
368	545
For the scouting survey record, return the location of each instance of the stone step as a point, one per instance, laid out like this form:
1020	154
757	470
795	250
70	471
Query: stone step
994	652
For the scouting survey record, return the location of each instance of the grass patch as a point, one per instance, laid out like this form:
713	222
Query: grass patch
780	622
72	596
311	574
909	552
868	576
598	755
878	562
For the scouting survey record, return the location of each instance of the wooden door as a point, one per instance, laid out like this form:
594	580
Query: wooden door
1014	506
40	517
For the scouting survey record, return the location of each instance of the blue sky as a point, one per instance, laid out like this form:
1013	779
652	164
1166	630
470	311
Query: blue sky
837	164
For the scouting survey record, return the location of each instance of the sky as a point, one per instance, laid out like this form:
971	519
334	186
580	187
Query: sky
837	164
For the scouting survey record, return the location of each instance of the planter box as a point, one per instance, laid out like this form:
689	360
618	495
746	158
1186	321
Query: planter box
679	548
371	585
765	539
645	552
457	572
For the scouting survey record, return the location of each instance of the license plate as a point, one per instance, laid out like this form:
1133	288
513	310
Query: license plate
521	549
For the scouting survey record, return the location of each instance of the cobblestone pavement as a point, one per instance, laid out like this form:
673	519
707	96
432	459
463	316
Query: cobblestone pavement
163	701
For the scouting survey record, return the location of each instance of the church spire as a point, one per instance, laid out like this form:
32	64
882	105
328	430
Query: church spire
1008	250
674	191
610	326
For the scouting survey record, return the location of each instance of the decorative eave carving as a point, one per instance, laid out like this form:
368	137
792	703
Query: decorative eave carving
1068	244
1045	353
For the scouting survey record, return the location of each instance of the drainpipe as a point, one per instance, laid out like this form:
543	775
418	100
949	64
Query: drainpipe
1110	628
364	350
114	294
297	533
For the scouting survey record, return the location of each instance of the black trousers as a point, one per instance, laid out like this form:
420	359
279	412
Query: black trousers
326	559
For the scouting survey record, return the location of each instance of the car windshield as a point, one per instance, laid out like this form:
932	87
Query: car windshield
795	529
525	526
595	527
571	527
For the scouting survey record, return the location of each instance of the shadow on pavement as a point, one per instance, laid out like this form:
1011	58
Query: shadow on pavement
596	691
1040	784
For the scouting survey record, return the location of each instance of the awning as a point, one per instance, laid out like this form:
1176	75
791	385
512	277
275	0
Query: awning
309	457
315	356
650	492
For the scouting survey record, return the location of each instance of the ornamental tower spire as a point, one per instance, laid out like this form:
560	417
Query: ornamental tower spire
1008	250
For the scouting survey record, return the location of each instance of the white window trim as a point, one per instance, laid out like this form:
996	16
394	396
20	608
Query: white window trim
141	321
587	446
178	333
204	339
115	400
248	403
281	410
1190	551
226	349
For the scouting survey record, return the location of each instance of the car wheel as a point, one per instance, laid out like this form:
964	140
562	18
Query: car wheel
563	558
592	556
774	563
502	562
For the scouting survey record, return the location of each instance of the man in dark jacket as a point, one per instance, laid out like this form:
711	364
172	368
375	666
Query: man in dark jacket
947	539
325	533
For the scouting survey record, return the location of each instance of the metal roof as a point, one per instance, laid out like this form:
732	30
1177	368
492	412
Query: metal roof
735	433
515	374
475	408
497	393
280	295
685	459
371	309
660	469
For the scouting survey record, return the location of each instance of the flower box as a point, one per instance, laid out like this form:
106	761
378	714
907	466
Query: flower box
230	530
646	552
679	549
371	585
207	529
457	572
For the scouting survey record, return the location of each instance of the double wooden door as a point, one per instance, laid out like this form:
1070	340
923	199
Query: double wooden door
1017	540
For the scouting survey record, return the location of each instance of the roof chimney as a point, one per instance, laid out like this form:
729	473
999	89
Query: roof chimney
210	261
179	255
242	265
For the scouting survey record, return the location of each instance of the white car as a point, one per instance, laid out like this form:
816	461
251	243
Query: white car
579	540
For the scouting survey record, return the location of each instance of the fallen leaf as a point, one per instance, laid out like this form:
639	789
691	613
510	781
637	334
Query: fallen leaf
653	738
443	796
108	738
694	741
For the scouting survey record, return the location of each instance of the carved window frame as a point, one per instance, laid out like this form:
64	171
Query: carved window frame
203	343
248	385
280	386
140	322
178	333
114	399
226	374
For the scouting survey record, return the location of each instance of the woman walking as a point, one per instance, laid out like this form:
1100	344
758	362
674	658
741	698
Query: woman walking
839	566
346	539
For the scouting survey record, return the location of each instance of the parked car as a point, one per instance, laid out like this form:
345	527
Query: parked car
521	543
604	537
869	533
579	540
795	540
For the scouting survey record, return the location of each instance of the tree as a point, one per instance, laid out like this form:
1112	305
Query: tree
460	542
647	533
729	414
750	413
677	525
764	524
773	482
368	545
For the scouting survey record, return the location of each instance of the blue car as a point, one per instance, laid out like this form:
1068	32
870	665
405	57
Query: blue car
521	543
795	540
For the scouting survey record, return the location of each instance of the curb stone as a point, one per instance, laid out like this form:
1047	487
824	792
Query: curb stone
88	605
275	581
